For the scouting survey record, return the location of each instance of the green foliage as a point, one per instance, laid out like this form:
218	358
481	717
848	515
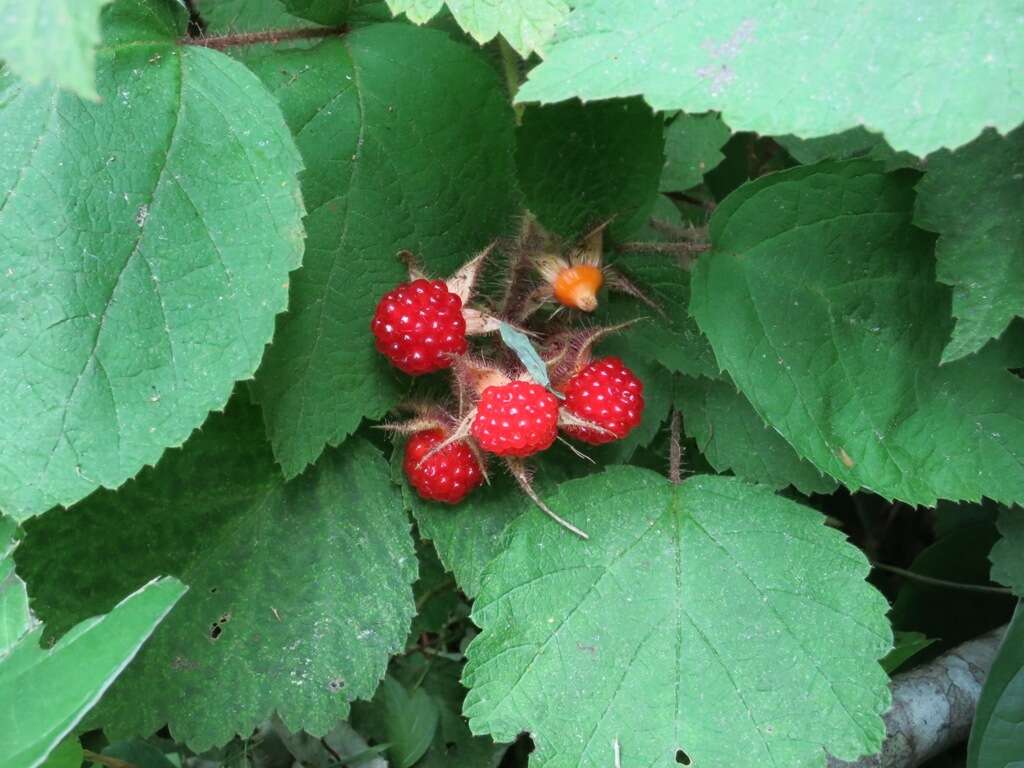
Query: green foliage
151	283
995	736
201	204
820	301
576	635
526	25
53	40
392	164
45	691
580	165
834	67
278	618
971	197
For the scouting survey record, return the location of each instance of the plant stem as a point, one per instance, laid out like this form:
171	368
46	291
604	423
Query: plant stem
510	66
220	42
941	582
675	450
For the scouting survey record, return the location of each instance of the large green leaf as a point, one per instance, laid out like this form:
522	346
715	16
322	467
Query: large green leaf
526	25
820	300
711	617
734	438
44	692
300	591
927	76
580	164
972	198
997	735
403	152
1007	555
145	245
53	40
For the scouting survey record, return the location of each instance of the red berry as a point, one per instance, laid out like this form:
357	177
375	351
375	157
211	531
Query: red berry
419	326
446	476
608	394
516	419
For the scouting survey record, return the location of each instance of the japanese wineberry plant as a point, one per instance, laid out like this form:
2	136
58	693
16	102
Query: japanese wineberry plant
538	383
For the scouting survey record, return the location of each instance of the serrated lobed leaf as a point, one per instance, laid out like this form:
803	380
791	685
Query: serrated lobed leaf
820	300
147	242
527	25
634	635
734	438
408	140
53	40
45	691
972	198
300	591
927	76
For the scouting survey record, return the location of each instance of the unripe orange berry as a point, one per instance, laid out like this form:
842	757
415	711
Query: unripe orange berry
578	286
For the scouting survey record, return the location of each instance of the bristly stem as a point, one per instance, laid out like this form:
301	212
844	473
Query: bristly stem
675	449
220	42
931	580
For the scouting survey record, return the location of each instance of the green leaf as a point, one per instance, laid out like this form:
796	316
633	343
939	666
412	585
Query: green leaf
44	692
972	198
691	150
997	735
223	17
408	721
906	646
582	164
1007	555
692	611
527	25
820	300
521	345
53	40
856	142
138	754
927	77
734	438
278	618
68	754
143	260
399	158
437	597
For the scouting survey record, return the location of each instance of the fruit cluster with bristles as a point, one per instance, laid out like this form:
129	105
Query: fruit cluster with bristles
499	408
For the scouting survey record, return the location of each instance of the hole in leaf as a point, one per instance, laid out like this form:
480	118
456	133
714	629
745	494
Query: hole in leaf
213	590
215	631
682	758
335	685
449	745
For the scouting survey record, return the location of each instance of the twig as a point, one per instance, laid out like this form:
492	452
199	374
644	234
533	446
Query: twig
675	450
933	705
935	582
220	42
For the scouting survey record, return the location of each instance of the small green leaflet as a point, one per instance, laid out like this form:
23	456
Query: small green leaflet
997	735
53	40
399	157
807	69
408	720
119	339
520	343
1007	555
526	25
820	300
67	679
972	198
906	646
692	609
277	619
692	144
856	142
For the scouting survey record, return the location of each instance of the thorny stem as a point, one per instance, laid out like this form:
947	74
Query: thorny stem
510	66
680	248
675	450
941	582
220	42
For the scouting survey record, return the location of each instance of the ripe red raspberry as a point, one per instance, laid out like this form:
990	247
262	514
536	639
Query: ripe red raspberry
446	476
516	419
608	394
419	326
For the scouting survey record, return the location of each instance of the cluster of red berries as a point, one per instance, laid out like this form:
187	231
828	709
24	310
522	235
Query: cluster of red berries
422	326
